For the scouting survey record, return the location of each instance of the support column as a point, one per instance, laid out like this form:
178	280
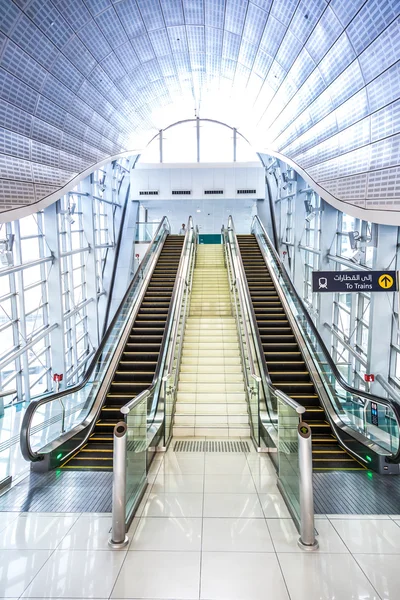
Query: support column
328	234
57	338
198	138
90	269
378	360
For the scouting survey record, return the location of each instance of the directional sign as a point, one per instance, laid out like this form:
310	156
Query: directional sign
385	281
354	281
304	429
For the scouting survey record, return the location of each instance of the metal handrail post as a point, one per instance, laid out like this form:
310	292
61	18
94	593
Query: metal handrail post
118	538
307	539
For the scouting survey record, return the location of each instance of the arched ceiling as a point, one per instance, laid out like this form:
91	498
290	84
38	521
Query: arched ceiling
316	82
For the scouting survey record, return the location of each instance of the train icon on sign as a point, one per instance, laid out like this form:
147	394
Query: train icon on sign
323	283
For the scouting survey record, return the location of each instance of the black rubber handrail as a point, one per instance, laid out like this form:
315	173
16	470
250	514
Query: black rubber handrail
35	404
389	403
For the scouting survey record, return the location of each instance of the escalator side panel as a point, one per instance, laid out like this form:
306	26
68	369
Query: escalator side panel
138	362
285	363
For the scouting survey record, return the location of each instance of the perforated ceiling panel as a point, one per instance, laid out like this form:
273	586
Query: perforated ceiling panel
315	81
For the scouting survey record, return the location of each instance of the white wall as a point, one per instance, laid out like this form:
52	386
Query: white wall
197	177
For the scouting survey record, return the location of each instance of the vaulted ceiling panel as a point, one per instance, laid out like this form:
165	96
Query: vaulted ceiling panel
315	81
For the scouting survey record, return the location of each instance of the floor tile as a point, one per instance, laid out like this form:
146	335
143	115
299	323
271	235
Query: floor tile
260	465
236	535
274	506
229	484
75	574
166	484
241	576
383	572
170	534
226	465
369	536
18	568
185	465
232	505
36	532
88	533
265	484
174	505
159	575
318	576
6	518
285	536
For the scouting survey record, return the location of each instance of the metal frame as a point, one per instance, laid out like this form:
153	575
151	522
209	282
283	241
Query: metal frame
67	238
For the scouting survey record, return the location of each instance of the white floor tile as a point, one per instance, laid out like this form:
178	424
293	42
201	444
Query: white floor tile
159	575
76	574
18	568
226	465
232	505
318	576
241	576
185	465
259	465
236	535
383	572
285	536
165	484
274	506
36	531
174	505
88	533
171	534
229	484
369	536
6	518
265	484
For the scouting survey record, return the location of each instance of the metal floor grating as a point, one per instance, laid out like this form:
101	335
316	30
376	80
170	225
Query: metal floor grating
60	491
363	492
223	446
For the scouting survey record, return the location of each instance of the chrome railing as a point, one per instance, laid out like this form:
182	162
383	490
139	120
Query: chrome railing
153	409
55	419
292	443
348	408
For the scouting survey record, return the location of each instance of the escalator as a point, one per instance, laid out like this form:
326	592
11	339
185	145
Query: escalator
284	360
137	365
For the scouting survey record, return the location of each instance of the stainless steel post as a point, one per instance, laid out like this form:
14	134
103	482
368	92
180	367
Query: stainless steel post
307	539
118	538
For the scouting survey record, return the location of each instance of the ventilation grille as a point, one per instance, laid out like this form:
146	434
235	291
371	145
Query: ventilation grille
245	191
223	447
148	193
181	192
213	191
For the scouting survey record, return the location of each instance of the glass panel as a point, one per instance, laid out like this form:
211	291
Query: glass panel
346	405
288	455
244	152
11	461
136	455
179	143
216	143
78	404
145	231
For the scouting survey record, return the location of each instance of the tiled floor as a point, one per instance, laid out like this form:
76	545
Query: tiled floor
210	527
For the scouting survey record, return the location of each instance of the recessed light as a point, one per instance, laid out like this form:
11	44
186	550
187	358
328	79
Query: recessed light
198	210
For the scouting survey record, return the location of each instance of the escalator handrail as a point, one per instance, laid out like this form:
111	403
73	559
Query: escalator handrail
126	409
45	399
389	403
247	308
